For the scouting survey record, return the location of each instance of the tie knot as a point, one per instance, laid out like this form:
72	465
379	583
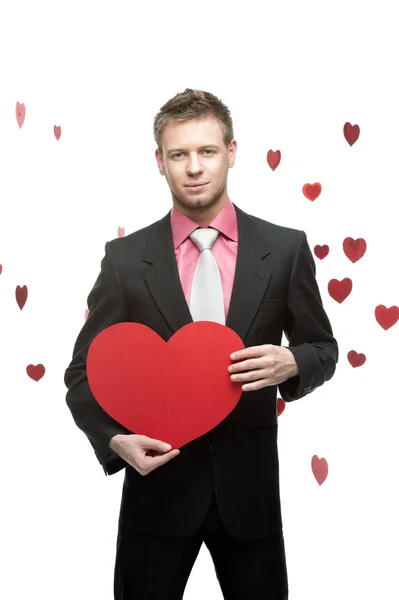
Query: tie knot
204	237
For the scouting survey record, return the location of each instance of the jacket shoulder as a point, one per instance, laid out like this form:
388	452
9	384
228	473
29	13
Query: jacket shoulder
278	232
136	239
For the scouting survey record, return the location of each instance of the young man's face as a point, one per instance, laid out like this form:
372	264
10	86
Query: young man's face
194	152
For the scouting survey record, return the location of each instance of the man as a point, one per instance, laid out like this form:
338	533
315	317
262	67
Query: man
222	488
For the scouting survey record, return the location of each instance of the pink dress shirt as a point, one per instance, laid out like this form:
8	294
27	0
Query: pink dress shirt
224	248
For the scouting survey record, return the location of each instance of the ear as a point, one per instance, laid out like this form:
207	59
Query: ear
159	159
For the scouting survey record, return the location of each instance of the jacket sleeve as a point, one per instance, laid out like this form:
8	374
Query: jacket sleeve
307	328
107	306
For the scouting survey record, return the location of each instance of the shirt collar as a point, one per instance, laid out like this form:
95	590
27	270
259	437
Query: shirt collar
225	222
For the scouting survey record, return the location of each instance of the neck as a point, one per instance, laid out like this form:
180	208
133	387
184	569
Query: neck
202	215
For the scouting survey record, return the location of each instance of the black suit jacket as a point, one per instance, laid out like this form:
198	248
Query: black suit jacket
274	290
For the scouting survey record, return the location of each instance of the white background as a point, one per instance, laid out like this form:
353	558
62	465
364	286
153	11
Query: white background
292	73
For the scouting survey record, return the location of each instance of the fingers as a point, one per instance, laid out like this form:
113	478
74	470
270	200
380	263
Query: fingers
147	466
156	453
151	444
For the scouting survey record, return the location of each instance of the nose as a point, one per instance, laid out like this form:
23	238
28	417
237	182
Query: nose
194	166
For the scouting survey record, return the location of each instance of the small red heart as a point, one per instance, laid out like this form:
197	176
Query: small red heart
339	290
355	359
351	133
1	269
273	159
121	232
21	294
311	190
174	391
280	406
57	132
321	251
320	469
20	111
386	317
35	372
354	249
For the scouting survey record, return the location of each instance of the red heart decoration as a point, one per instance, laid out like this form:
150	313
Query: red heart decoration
320	469
35	372
20	112
280	406
386	317
354	249
351	133
175	391
1	269
311	190
57	132
273	159
321	251
21	295
339	290
355	359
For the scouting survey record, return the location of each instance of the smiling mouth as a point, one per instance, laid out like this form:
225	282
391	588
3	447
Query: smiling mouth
196	187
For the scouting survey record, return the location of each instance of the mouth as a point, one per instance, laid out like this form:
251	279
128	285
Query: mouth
193	187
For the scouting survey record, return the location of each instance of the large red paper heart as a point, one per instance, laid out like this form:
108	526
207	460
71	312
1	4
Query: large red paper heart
175	391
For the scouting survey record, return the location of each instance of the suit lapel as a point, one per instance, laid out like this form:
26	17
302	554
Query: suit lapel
252	276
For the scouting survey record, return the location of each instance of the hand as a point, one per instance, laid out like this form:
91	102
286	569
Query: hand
141	452
263	365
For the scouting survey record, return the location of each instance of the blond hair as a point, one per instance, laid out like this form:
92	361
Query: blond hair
193	104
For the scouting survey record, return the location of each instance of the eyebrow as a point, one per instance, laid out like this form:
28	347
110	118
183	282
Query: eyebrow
182	149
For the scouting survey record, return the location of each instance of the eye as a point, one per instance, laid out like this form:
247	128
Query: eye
180	153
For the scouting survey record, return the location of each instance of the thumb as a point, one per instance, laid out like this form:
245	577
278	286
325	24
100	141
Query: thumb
158	445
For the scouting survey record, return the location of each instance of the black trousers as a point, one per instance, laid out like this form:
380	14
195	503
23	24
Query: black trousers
150	567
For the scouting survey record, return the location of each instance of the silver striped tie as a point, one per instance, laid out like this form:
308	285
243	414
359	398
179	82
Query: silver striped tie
206	297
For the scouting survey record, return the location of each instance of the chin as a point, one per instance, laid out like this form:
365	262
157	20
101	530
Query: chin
198	202
189	201
204	198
